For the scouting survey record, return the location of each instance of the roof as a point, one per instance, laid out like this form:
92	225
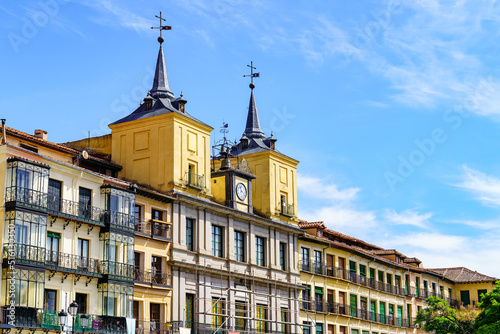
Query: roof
22	135
462	275
255	139
305	225
164	101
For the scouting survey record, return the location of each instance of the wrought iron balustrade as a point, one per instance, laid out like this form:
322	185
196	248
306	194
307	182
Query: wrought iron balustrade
120	220
152	327
154	229
195	180
152	277
26	196
117	269
287	209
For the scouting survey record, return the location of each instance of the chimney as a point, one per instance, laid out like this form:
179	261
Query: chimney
42	134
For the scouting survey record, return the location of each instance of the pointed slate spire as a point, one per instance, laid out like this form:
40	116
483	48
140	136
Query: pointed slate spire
160	82
252	129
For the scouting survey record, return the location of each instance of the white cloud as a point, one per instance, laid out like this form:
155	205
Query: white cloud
119	15
408	217
485	188
319	188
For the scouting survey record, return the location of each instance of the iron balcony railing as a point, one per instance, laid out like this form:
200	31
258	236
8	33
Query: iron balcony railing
39	256
36	318
156	327
358	313
69	209
195	180
152	277
154	229
286	209
117	269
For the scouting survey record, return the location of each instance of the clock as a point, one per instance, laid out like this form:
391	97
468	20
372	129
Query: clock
241	191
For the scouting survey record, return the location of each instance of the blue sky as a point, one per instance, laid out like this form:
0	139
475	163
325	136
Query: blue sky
392	107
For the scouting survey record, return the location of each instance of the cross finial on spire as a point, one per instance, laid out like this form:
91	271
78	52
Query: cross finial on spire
252	75
161	27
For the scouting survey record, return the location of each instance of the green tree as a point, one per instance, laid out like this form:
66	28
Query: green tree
440	318
488	320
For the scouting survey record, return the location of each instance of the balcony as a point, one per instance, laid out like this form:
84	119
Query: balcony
56	206
152	277
35	318
117	270
155	229
156	327
119	220
194	180
286	209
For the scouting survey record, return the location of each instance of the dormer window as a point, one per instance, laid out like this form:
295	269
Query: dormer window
182	107
148	101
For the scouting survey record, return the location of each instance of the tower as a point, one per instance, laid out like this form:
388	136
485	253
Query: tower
275	187
160	144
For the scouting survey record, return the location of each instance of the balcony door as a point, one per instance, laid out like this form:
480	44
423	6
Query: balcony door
52	248
156	269
83	253
318	262
154	321
84	203
81	300
54	195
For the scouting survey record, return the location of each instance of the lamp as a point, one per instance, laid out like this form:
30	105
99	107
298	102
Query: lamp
62	318
84	321
73	308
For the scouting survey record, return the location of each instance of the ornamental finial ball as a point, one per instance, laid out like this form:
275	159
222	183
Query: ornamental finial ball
161	40
252	86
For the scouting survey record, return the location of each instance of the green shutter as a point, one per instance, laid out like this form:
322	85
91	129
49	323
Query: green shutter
318	291
465	297
362	270
389	279
352	266
354	306
382	312
381	276
400	316
391	309
373	310
372	273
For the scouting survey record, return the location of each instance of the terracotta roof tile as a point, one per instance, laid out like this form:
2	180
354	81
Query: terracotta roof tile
463	275
304	224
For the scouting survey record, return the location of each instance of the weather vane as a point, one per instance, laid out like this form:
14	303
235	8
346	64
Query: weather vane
252	75
161	27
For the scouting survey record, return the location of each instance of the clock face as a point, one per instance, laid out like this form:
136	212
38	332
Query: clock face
241	191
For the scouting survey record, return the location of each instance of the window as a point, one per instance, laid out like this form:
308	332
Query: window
54	195
318	262
189	310
465	297
354	306
283	256
417	287
29	288
50	300
84	203
318	298
138	214
362	273
114	300
30	235
284	320
135	309
156	214
120	206
53	248
239	246
407	285
216	240
154	317
352	271
190	234
260	247
306	297
218	319
83	253
426	288
156	269
306	327
240	314
373	310
354	331
137	266
26	183
319	328
382	312
391	314
81	300
261	314
305	258
342	330
400	316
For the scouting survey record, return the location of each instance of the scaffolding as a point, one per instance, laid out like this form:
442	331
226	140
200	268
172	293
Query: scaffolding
245	302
